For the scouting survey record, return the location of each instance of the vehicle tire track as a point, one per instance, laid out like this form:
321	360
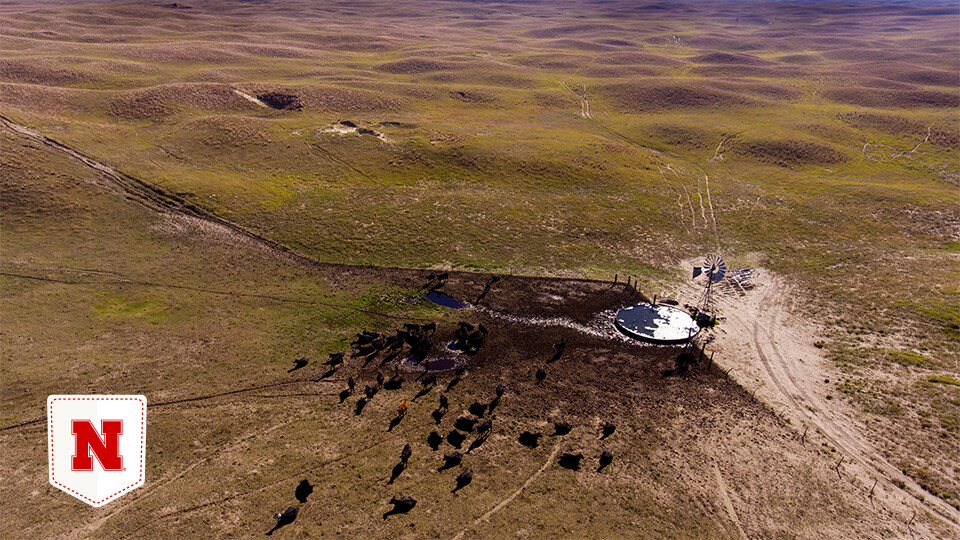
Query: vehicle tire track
727	502
513	496
92	527
813	413
189	399
260	489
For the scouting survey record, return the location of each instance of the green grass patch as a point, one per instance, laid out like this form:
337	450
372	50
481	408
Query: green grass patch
908	358
150	309
944	379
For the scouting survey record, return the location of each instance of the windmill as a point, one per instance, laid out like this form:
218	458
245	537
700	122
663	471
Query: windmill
715	269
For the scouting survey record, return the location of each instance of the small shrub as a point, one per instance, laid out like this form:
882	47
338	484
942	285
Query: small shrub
907	358
944	379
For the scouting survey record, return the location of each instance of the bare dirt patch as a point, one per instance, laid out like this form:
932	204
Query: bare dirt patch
769	347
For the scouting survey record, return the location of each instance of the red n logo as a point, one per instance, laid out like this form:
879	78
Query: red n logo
106	447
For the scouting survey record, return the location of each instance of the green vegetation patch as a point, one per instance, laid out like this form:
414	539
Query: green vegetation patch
944	379
908	358
147	308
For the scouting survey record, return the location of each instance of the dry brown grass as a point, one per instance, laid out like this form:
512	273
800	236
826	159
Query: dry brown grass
800	58
656	95
410	66
735	59
515	175
773	72
338	98
788	152
578	45
44	72
623	58
225	131
892	98
164	100
46	99
572	30
888	123
621	71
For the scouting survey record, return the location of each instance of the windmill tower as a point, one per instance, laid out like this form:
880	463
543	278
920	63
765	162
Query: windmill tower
715	269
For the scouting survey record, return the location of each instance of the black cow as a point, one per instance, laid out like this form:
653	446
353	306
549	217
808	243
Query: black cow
530	439
395	382
559	347
606	458
541	375
434	439
304	489
401	505
571	461
284	518
465	423
478	409
336	359
298	363
561	428
361	403
463	479
455	438
451	460
608	429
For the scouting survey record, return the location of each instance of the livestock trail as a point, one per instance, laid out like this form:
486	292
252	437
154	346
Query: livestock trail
707	224
727	503
513	495
158	199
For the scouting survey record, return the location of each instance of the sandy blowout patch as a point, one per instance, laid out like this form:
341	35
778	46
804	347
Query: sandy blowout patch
767	346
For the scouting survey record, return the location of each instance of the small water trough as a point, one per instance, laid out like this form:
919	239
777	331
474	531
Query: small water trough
445	300
441	364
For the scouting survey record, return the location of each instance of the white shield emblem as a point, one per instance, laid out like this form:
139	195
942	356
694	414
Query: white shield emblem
96	445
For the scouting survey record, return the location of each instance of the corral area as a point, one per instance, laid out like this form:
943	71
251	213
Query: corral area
196	194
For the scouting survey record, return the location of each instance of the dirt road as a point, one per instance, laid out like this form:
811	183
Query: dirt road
769	349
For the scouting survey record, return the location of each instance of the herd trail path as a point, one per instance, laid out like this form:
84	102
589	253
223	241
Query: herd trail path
582	96
769	350
727	502
514	495
159	199
94	525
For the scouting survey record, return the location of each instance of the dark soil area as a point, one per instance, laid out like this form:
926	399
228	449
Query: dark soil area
281	101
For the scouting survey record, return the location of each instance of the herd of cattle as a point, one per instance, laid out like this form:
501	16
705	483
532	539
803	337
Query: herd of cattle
412	346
